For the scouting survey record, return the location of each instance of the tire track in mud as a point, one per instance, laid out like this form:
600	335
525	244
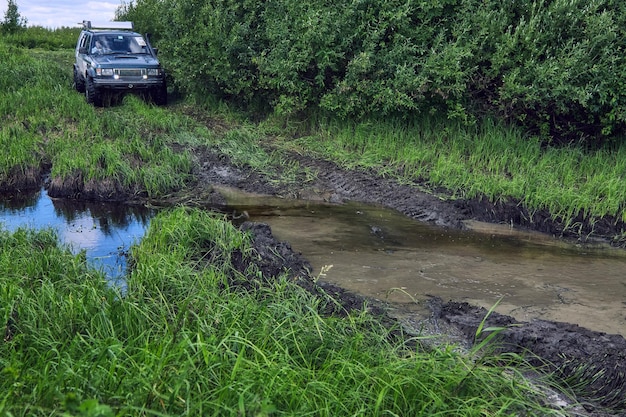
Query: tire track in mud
370	188
335	185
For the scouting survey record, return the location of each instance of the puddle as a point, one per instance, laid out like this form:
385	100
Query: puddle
104	231
381	253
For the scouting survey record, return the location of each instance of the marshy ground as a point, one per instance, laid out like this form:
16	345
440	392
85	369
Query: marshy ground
572	351
133	153
566	348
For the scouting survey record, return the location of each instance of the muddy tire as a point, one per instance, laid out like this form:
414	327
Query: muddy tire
92	94
79	82
159	95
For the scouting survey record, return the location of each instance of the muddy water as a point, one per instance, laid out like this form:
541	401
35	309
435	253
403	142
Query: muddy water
383	254
103	231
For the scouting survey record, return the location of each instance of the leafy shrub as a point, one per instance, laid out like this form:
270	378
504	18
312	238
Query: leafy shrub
555	67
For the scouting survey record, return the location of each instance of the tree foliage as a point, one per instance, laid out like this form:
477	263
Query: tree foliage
553	66
13	21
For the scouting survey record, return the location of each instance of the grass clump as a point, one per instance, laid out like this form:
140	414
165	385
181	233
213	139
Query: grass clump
186	339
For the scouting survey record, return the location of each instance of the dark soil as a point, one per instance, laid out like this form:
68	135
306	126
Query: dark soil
594	361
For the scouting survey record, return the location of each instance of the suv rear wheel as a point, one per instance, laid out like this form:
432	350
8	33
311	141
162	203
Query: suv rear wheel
92	94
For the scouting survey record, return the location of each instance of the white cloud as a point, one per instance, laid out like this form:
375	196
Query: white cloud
57	13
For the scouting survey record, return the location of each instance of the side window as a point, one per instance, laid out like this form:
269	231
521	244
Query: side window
84	41
88	42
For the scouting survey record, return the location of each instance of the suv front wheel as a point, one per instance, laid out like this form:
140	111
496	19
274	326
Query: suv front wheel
79	82
92	94
159	95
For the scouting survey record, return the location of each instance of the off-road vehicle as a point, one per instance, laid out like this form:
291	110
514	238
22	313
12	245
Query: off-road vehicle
112	58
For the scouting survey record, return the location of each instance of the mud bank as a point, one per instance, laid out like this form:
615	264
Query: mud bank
593	360
418	201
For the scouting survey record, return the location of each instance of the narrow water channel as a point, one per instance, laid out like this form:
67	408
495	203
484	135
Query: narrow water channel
382	254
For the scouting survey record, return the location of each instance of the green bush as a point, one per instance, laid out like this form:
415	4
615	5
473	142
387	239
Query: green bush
555	66
44	38
552	66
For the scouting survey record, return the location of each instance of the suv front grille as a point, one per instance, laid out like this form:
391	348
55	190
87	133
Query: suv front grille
130	72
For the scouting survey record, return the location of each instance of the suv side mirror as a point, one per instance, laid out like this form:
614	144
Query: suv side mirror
156	51
83	50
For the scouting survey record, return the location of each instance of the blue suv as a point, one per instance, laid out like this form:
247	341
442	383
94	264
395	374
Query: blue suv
112	58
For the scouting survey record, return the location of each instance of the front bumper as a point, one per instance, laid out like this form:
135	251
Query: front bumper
128	84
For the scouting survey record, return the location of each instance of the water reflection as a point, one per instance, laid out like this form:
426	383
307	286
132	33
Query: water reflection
103	230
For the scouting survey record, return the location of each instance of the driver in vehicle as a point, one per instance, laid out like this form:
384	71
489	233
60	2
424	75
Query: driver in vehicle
98	48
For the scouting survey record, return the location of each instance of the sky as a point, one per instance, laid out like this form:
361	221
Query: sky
57	13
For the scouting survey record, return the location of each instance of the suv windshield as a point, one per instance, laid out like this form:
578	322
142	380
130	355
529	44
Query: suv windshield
118	44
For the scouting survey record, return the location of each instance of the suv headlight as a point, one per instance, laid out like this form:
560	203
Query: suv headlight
104	72
153	72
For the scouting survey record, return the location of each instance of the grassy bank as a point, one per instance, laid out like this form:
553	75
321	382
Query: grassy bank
487	160
498	162
185	339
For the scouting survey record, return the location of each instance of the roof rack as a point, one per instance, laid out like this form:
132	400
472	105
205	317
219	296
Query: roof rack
88	24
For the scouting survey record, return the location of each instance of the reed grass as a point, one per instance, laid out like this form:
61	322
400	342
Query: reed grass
489	159
187	338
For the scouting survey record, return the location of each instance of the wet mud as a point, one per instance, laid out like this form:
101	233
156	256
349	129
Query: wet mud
594	363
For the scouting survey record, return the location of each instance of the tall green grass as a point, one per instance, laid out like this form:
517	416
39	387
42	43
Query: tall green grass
22	145
44	121
489	159
187	338
43	38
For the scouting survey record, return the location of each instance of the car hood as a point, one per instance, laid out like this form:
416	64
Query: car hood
126	60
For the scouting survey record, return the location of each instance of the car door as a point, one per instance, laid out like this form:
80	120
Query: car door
82	49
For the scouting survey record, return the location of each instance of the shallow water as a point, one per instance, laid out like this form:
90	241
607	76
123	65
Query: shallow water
381	253
104	231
